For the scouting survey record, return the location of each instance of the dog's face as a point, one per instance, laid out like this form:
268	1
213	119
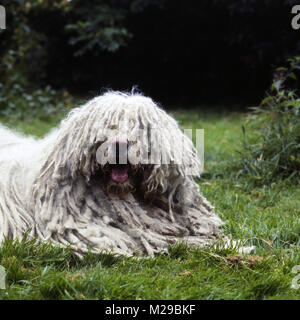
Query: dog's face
121	175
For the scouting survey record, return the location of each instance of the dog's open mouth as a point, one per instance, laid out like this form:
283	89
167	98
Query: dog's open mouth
119	173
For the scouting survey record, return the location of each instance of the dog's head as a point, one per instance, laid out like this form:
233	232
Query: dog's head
129	144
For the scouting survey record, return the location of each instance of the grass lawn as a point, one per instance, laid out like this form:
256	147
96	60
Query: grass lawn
267	217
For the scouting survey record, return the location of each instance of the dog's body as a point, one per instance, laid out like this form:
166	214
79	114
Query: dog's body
60	189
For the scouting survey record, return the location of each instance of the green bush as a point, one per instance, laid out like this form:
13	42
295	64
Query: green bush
23	68
271	148
43	104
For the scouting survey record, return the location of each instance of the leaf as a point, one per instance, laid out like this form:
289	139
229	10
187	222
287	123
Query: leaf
266	100
277	84
281	69
293	76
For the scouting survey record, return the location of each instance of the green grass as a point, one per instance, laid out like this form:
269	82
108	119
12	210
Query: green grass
267	217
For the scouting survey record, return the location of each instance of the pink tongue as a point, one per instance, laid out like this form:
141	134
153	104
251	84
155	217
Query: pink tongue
119	174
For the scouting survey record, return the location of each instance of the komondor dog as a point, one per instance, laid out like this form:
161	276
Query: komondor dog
117	175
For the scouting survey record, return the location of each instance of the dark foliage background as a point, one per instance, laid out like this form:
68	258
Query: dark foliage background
179	52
